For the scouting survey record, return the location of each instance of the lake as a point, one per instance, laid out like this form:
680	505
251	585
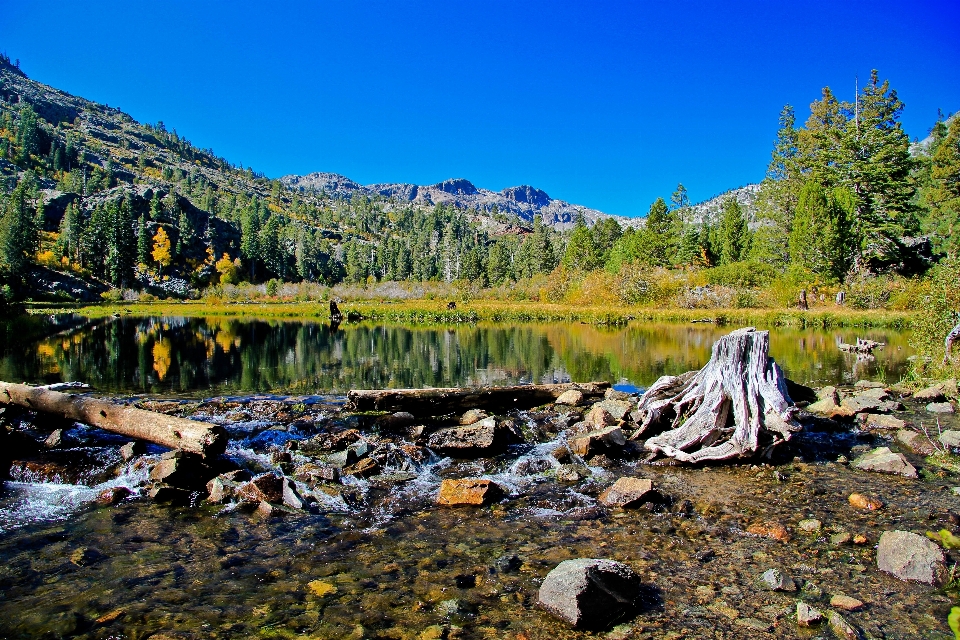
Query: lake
194	357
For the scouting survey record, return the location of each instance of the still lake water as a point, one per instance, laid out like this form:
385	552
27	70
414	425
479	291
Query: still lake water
213	356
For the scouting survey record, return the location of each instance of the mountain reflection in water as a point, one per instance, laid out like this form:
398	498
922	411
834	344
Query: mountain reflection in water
218	355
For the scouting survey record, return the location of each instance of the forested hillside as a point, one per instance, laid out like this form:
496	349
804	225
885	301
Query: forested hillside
95	203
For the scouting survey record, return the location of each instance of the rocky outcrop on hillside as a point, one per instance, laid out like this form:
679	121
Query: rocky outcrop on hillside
524	202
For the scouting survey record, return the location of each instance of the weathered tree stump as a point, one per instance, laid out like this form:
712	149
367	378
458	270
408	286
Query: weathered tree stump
731	408
952	337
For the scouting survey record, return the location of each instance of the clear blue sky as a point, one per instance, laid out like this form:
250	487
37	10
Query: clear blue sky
604	104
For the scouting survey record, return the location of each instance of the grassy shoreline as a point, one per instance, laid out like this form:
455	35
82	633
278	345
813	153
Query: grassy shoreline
436	312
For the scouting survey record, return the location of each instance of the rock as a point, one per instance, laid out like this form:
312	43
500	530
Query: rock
860	539
867	503
950	438
807	616
845	602
861	403
840	539
473	416
570	397
618	409
630	492
940	407
310	473
291	497
113	495
341	459
933	393
266	487
602	441
777	580
915	441
881	421
590	593
878	393
186	471
132	450
772	530
841	628
161	492
469	491
909	556
363	469
396	421
221	489
599	417
810	526
868	384
54	440
830	393
571	473
321	588
509	563
882	460
483	438
616	394
831	408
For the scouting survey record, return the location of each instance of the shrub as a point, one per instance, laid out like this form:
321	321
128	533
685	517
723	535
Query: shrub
936	315
750	274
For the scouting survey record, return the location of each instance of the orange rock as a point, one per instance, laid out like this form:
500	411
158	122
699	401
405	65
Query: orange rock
469	491
867	503
773	530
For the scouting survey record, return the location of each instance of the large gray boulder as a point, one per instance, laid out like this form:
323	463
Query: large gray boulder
482	438
909	556
882	460
590	593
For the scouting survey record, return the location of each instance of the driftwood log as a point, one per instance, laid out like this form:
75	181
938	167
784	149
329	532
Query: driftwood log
436	402
167	431
731	408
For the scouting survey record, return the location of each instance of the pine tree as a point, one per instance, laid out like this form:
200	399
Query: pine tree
19	234
821	240
143	241
943	195
581	253
733	232
250	236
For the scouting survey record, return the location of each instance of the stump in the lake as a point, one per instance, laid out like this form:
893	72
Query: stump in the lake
735	407
168	431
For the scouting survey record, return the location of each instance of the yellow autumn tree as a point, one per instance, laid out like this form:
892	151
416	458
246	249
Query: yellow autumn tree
161	248
229	270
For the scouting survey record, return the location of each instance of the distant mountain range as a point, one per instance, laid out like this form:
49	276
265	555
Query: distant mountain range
524	201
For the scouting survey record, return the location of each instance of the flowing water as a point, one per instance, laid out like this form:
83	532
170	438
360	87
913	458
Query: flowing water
377	558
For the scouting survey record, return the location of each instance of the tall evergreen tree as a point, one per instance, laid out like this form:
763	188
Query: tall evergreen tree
943	194
733	232
821	240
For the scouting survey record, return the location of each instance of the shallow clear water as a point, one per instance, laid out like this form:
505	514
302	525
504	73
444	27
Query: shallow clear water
203	357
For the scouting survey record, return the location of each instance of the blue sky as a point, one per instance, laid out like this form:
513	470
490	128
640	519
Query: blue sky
604	104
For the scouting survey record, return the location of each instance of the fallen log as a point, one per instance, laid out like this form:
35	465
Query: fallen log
436	402
737	403
166	431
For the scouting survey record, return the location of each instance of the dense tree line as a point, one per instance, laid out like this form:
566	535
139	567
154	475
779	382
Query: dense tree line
842	192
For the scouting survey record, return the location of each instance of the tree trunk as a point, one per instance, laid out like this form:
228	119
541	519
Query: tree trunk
435	402
737	403
167	431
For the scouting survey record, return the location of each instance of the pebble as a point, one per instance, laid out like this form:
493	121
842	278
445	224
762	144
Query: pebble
810	526
772	530
867	503
777	580
841	538
845	602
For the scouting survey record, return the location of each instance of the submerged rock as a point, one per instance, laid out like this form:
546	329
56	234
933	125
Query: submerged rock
841	628
807	616
845	602
882	460
266	487
590	593
865	502
777	580
469	492
909	556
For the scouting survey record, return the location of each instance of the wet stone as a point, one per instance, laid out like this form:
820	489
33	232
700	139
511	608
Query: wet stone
473	416
363	469
469	492
841	628
915	441
810	525
54	440
864	502
484	438
629	492
882	460
509	563
571	473
772	530
845	602
598	442
221	489
113	495
882	421
807	616
909	556
161	492
950	438
933	393
266	487
842	538
132	450
777	580
590	593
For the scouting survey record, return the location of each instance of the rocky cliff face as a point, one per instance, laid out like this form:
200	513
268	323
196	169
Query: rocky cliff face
523	202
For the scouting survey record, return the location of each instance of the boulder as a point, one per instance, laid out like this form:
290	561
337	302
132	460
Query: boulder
292	497
132	450
630	492
183	470
862	402
940	407
841	628
311	473
950	438
570	397
882	460
221	489
845	602
909	556
933	393
266	487
483	438
830	407
599	417
363	468
877	393
915	441
469	492
590	593
607	440
396	421
618	409
881	421
777	580
865	502
868	384
113	495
